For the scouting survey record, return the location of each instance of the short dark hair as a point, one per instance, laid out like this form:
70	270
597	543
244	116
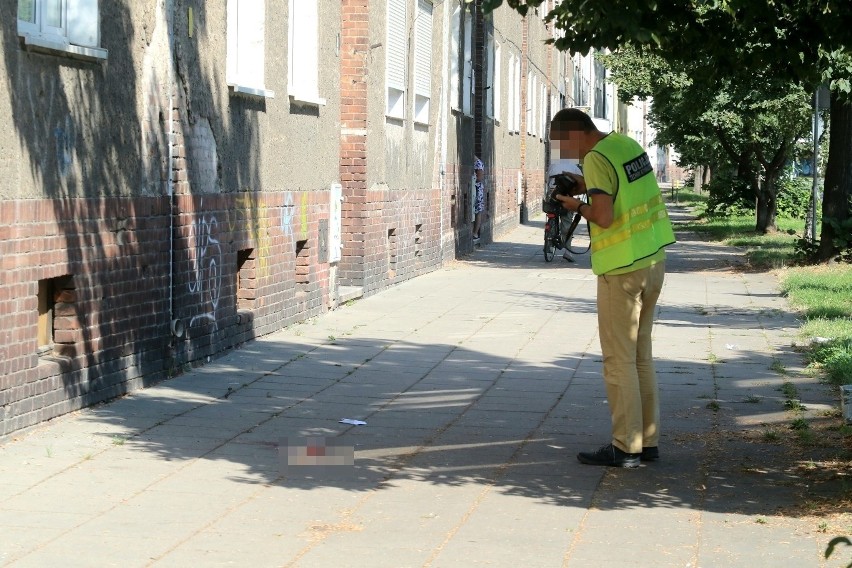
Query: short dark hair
573	119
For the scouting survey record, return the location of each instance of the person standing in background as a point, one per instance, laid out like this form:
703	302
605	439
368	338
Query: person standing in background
479	198
564	158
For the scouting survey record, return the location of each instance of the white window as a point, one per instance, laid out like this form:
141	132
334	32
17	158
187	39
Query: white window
71	26
422	61
397	47
517	87
303	60
455	53
496	83
246	58
543	119
461	60
467	79
492	78
530	102
514	92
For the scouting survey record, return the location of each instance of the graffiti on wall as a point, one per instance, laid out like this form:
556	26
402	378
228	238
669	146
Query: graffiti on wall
206	275
303	210
251	213
64	137
49	124
289	214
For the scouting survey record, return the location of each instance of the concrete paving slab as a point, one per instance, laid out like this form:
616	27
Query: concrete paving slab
479	384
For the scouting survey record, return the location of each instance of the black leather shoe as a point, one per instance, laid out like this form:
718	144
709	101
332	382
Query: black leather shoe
611	456
650	453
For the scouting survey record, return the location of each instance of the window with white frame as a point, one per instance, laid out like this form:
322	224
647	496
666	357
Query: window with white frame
455	54
537	108
492	78
531	98
518	80
467	78
514	92
422	61
395	71
461	59
246	55
497	83
303	59
510	91
543	118
72	26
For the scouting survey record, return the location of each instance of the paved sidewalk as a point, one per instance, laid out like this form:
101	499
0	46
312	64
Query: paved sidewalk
478	383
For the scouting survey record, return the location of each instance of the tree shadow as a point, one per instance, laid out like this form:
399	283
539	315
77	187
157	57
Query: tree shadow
141	227
445	415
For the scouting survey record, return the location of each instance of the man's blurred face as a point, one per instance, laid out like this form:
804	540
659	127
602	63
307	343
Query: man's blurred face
566	142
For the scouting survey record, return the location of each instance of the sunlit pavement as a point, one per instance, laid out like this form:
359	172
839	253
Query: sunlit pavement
478	384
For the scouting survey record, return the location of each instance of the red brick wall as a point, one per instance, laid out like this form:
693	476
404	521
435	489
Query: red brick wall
110	261
401	236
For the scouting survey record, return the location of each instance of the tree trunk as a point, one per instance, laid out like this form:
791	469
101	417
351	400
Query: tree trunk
837	190
767	203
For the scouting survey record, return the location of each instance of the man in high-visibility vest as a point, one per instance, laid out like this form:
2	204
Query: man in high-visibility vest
629	228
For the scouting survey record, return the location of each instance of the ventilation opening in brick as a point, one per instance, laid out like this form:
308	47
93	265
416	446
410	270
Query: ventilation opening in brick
246	280
303	268
58	324
392	252
418	240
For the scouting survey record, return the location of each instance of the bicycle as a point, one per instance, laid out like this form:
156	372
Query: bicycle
556	236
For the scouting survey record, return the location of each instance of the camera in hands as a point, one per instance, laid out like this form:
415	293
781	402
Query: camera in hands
562	185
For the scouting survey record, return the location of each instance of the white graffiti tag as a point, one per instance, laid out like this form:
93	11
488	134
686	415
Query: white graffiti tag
206	278
287	214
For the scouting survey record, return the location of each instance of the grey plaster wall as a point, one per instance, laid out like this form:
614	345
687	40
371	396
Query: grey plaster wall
261	144
55	107
402	153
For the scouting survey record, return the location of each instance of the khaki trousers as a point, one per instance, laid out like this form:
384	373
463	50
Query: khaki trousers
626	305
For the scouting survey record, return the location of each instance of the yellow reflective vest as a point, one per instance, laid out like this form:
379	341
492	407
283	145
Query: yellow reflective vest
641	225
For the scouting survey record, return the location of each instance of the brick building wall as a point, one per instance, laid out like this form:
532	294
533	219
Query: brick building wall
100	266
103	266
186	220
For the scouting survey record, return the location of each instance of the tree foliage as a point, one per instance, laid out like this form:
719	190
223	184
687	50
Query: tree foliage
749	121
803	41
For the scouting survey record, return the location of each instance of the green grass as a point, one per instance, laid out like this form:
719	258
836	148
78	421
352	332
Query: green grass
772	250
824	295
821	291
687	197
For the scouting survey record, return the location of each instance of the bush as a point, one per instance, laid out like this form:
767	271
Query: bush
835	359
794	197
729	196
842	239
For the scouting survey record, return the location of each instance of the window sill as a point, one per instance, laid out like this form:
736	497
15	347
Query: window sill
306	99
58	47
252	91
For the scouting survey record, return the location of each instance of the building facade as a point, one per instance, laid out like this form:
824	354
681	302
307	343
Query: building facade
179	177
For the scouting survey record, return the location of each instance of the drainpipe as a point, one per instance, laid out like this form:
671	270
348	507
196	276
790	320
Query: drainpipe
175	324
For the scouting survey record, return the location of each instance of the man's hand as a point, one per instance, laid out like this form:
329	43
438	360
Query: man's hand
580	188
568	202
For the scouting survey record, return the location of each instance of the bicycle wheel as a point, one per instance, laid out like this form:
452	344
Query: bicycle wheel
551	230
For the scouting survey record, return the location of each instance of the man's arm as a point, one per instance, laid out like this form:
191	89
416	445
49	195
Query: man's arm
599	211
